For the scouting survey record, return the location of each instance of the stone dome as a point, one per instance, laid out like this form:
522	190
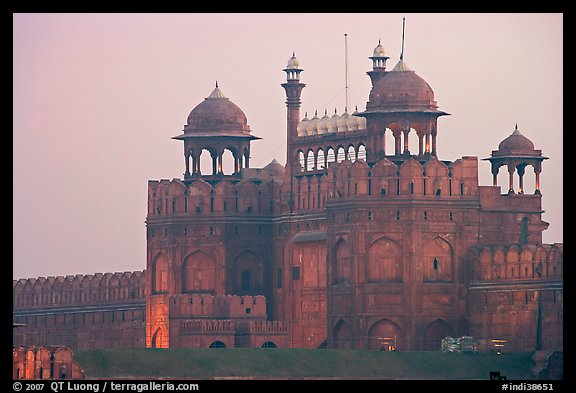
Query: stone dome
516	142
403	88
379	51
217	114
293	62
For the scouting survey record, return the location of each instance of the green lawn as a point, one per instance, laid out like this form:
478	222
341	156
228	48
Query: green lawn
299	363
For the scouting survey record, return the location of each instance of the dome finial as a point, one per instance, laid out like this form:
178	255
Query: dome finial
402	52
293	54
216	83
516	126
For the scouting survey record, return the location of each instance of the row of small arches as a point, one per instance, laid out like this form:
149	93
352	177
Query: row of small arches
321	158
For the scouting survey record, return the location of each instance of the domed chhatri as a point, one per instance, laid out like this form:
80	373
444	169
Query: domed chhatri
516	143
516	152
216	125
217	114
293	69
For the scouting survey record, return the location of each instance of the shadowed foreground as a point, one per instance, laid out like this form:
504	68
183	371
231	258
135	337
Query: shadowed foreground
299	363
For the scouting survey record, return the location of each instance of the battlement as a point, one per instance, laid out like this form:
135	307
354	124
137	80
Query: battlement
263	327
218	306
207	326
79	289
432	178
242	196
516	262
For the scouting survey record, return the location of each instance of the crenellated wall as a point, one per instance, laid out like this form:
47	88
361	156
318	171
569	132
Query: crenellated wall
515	262
229	195
78	290
81	311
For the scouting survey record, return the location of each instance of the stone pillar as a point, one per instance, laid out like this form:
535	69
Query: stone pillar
511	179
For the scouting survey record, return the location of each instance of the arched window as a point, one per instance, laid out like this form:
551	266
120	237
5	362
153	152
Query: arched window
160	274
269	344
217	344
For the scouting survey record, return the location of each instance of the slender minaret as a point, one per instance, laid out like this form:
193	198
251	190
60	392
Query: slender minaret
293	89
378	64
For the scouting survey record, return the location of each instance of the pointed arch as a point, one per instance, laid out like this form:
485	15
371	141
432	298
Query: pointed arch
437	260
340	154
160	273
320	159
361	152
310	160
384	333
248	273
435	332
160	338
384	261
301	159
342	335
342	268
199	273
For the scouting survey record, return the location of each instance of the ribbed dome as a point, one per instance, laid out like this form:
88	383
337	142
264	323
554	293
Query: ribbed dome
312	127
343	121
322	124
403	88
217	113
301	128
333	122
516	142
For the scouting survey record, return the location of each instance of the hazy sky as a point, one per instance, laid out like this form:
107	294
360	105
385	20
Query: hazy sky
98	97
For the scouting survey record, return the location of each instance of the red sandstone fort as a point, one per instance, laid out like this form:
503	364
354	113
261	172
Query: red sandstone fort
352	244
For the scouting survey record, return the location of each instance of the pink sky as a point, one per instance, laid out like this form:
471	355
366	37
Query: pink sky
97	98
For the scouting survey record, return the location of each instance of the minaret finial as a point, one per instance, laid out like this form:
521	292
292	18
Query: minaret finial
402	52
